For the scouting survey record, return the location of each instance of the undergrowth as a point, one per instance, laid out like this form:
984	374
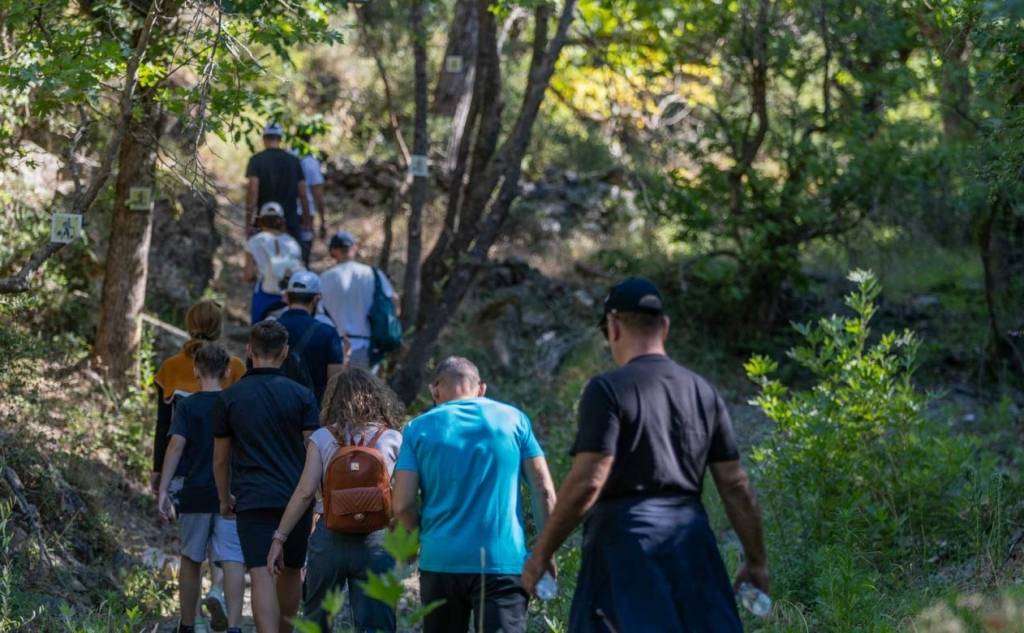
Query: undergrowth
78	450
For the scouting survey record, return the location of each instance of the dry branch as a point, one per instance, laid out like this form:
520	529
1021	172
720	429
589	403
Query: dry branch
30	512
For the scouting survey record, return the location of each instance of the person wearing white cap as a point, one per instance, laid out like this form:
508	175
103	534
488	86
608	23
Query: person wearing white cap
347	290
272	256
275	175
317	344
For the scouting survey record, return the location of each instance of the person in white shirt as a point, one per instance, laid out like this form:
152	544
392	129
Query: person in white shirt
314	200
272	255
346	292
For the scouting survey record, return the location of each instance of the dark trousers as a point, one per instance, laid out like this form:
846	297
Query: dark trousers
336	560
652	564
504	602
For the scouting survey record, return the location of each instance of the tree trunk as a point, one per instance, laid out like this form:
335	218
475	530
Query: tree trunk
119	332
468	197
1001	347
420	145
454	86
503	165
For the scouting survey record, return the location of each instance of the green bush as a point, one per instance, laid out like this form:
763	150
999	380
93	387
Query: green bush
863	491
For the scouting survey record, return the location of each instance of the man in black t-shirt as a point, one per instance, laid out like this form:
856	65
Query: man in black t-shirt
260	425
647	432
275	175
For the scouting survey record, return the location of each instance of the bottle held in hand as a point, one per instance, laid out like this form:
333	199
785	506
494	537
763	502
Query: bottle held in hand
547	587
754	600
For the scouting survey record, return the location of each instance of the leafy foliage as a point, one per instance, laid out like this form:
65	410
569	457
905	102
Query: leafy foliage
857	476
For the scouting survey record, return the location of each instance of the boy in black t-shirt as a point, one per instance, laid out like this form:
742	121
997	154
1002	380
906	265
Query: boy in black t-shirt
195	505
260	426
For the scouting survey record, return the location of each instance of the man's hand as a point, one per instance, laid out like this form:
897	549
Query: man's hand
166	508
227	508
533	571
275	558
756	575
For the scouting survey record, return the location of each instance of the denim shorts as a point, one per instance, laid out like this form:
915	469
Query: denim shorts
202	532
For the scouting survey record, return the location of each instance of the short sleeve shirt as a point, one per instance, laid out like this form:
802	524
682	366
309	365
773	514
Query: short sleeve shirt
193	421
322	349
264	245
389	443
347	296
661	422
176	376
279	173
311	170
468	455
265	415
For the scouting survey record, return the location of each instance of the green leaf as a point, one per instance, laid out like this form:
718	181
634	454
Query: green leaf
384	587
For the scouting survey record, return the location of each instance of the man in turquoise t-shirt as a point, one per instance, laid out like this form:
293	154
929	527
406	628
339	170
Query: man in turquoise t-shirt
465	456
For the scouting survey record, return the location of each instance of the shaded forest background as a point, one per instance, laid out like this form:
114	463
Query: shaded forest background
746	155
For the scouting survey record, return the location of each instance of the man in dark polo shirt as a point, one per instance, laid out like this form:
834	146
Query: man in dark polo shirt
317	343
647	432
259	426
275	175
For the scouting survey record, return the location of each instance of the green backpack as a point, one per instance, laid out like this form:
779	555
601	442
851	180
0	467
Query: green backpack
385	326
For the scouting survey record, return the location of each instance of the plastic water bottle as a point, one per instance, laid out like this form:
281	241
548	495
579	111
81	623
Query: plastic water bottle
754	600
547	587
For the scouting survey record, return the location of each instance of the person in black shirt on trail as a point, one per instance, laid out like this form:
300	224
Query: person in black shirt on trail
647	432
195	505
275	175
260	426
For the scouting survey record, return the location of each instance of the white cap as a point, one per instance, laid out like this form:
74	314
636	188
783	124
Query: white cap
273	129
271	209
304	282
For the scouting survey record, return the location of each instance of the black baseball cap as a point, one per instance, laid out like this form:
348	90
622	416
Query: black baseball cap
633	294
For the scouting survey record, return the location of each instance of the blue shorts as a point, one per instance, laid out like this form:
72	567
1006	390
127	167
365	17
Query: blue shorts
652	564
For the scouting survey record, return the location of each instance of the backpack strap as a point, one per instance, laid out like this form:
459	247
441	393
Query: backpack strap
378	286
307	336
373	441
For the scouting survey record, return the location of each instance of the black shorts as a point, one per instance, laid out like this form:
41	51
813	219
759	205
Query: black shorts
256	533
504	602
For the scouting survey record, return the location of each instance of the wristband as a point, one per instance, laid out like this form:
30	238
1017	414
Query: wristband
280	536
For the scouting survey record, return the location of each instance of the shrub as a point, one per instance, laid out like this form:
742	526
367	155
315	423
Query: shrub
862	489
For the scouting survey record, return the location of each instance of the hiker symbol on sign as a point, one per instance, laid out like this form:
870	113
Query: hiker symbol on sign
65	227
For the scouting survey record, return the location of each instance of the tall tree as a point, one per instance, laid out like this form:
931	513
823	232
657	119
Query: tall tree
126	270
420	149
484	182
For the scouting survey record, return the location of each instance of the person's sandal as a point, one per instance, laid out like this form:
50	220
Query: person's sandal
214	603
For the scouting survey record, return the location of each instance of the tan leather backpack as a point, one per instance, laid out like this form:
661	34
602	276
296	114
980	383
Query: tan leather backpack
357	488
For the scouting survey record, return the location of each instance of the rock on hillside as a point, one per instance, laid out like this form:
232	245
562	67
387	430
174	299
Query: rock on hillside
182	255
